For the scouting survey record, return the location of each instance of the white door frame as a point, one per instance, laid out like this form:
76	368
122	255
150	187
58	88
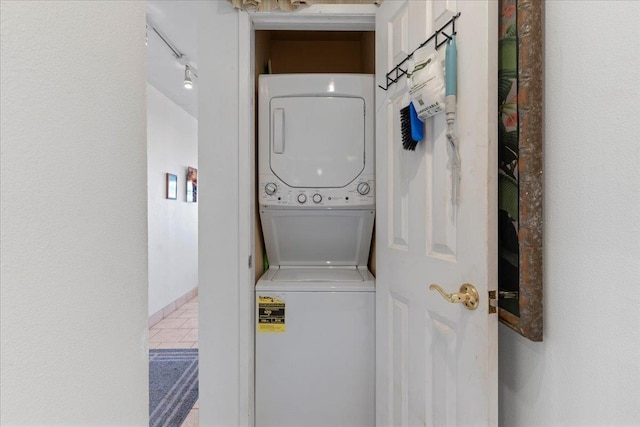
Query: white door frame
323	17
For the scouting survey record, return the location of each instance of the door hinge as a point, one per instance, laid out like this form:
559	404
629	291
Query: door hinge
250	261
493	308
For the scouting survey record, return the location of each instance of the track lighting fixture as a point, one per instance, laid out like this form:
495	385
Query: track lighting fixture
189	71
188	83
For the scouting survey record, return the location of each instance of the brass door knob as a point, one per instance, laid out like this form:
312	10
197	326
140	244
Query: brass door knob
468	295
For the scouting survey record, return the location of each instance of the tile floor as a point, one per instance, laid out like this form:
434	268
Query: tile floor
179	330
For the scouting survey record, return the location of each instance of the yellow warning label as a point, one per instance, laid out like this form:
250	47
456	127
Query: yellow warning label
271	315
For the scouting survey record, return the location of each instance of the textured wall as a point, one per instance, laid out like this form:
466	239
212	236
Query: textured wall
74	216
587	370
172	138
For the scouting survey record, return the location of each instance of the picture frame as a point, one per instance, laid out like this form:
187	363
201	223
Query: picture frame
192	185
172	186
520	175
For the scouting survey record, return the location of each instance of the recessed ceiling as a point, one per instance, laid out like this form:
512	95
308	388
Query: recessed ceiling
177	21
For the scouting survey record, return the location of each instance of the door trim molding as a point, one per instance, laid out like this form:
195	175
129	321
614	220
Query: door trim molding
319	17
246	212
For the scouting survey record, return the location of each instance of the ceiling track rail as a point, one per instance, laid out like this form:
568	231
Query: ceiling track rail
180	57
397	72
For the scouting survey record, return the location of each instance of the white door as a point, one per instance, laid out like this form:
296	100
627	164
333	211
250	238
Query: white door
436	361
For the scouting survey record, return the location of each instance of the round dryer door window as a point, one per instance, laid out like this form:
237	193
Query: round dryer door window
317	142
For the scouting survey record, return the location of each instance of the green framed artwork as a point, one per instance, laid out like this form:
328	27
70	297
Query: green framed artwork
520	129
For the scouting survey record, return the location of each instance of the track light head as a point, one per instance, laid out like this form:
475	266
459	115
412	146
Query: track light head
188	83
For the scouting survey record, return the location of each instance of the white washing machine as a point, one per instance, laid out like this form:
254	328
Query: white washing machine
315	363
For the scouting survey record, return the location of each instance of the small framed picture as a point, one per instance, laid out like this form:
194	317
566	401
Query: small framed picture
192	184
172	186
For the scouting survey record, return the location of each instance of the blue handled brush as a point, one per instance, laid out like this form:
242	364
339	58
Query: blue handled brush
417	127
411	127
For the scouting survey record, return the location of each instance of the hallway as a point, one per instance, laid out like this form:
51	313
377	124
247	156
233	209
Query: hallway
179	330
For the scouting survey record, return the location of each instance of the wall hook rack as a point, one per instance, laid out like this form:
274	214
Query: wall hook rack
397	72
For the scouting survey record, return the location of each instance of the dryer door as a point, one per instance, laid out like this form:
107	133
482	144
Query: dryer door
317	141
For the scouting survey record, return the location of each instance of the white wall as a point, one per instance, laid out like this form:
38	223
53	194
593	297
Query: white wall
223	366
172	145
587	370
74	217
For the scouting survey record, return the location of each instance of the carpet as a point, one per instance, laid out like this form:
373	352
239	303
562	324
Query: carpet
173	385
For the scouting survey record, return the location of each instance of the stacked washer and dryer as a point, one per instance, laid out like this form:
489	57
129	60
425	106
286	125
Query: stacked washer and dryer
315	355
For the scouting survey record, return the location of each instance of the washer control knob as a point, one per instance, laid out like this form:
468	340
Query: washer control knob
317	198
363	188
270	188
302	198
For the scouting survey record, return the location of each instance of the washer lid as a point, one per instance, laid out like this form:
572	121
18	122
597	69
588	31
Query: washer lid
310	279
317	237
317	141
320	274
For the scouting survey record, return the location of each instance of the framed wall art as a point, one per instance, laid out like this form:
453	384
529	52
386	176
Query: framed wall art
192	184
172	186
520	130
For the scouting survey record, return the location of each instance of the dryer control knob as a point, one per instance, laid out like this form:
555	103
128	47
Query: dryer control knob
363	188
302	198
317	198
270	188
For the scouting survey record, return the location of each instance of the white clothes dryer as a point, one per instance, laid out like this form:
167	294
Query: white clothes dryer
315	304
316	140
